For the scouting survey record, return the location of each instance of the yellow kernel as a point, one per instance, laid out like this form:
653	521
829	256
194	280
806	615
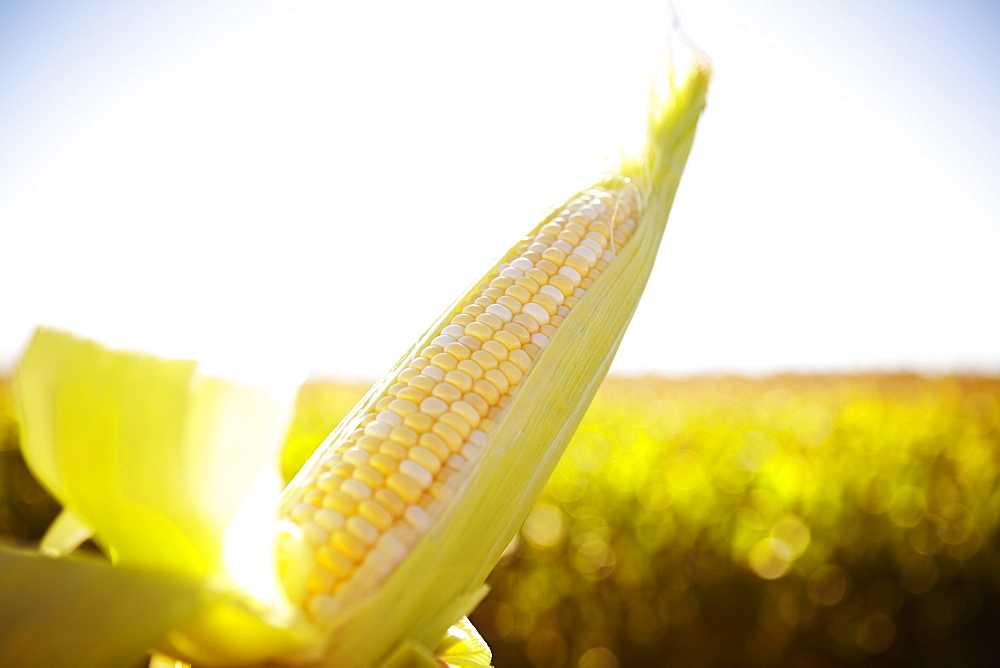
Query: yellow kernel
498	380
496	349
313	498
420	363
394	388
433	406
462	319
550	268
329	482
519	293
526	321
518	330
477	402
394	450
383	463
334	561
405	486
487	391
416	472
548	330
444	361
405	436
419	422
529	283
569	237
426	458
410	393
511	304
554	255
510	370
490	321
458	423
552	228
435	444
402	407
521	359
389	500
370	443
501	282
340	502
383	403
466	412
448	434
469	368
458	351
486	425
459	379
531	349
538	276
430	351
507	340
342	469
585	283
479	331
492	293
473	310
546	302
447	392
423	382
483	302
485	360
372	510
349	546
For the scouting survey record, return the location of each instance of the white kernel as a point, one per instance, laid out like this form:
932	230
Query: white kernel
455	462
433	406
416	472
356	456
608	256
540	315
513	273
470	451
328	519
540	339
579	293
563	246
301	512
390	418
442	340
588	212
478	438
434	372
522	263
572	274
593	245
378	429
500	311
587	254
391	546
562	311
356	489
454	331
417	517
552	291
314	533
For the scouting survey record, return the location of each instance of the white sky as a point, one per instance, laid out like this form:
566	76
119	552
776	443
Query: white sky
309	184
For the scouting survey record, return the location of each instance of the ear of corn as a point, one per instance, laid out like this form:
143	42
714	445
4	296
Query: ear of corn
401	514
389	531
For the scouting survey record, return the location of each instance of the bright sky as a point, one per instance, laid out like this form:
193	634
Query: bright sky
310	184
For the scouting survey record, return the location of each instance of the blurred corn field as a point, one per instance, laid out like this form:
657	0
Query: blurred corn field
785	521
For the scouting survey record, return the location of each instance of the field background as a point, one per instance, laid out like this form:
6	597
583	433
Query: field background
725	521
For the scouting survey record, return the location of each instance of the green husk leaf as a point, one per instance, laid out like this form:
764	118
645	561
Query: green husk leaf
83	612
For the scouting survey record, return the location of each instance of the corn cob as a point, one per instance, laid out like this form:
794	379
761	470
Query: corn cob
371	495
